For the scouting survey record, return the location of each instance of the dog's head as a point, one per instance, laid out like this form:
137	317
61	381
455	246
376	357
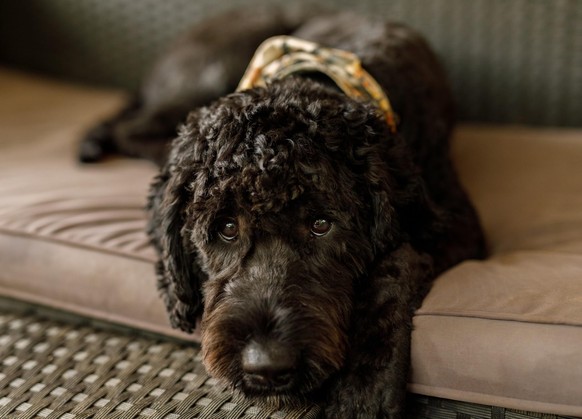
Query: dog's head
272	209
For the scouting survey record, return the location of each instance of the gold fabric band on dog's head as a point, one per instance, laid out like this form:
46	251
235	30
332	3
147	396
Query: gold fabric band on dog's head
281	56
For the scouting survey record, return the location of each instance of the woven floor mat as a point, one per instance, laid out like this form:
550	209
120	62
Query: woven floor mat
51	369
425	407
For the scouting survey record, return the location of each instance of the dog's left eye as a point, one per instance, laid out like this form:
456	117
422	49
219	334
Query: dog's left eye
320	227
227	229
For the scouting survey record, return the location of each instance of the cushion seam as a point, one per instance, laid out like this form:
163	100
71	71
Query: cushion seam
69	243
494	318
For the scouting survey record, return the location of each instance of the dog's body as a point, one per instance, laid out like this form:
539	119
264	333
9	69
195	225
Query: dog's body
290	218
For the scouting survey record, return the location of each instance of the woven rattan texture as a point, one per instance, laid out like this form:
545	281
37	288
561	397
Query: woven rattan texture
54	370
423	407
516	61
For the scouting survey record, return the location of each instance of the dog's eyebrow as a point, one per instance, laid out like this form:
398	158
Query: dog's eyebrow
281	56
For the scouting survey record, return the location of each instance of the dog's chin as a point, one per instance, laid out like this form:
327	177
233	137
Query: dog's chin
296	391
253	391
288	395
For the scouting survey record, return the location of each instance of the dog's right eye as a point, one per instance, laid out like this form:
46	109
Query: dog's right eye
227	229
320	227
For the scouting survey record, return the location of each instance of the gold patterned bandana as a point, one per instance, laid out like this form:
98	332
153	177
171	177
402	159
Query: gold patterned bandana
281	56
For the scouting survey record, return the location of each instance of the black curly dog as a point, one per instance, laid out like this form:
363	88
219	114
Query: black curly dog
290	219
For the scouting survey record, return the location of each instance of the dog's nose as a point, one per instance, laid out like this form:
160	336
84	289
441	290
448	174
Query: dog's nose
268	364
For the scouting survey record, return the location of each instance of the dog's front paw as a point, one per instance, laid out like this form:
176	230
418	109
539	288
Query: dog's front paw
354	402
349	410
96	144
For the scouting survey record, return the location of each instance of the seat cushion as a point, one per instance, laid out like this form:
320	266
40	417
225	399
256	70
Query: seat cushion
72	236
506	331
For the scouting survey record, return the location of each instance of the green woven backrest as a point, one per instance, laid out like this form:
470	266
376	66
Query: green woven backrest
510	61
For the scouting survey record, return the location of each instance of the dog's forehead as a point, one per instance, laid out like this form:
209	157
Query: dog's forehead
277	181
268	170
266	151
267	176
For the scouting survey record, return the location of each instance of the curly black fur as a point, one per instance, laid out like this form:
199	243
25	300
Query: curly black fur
335	309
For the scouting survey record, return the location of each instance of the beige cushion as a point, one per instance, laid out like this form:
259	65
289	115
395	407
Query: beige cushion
506	331
71	235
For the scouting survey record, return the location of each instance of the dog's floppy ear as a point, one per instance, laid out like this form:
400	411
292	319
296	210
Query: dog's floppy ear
402	209
179	276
